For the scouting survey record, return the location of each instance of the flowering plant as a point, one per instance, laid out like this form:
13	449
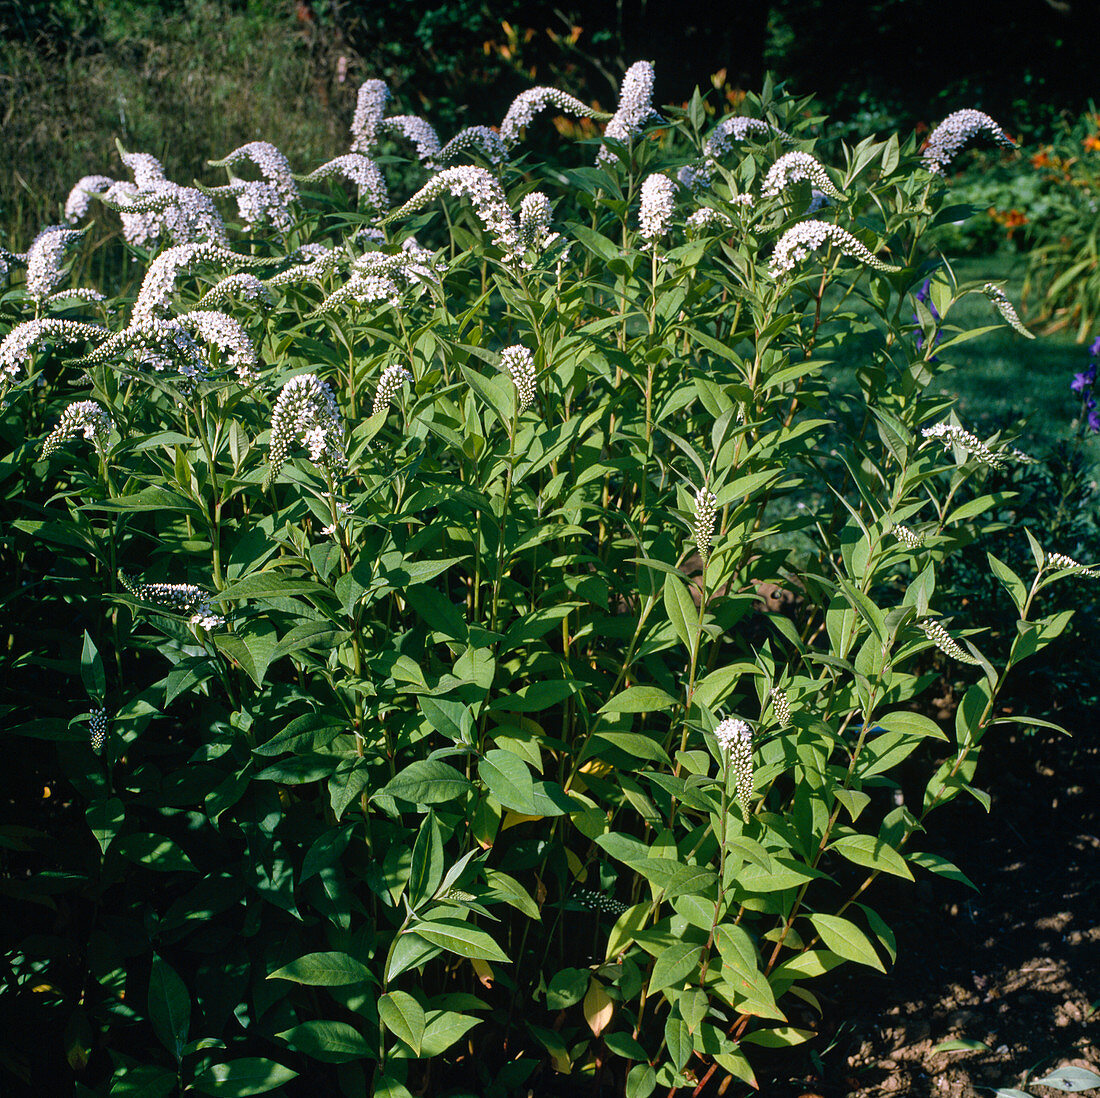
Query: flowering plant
426	710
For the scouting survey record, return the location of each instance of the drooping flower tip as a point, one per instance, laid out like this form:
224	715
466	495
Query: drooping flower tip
793	167
370	105
719	143
955	132
182	598
418	132
1061	561
734	738
1005	308
909	538
799	240
83	417
530	102
947	644
952	435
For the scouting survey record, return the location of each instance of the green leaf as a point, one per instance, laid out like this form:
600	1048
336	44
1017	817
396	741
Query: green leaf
155	852
641	1082
678	1040
940	866
458	937
428	781
329	1042
91	670
252	646
640	699
913	724
105	818
1069	1079
681	611
427	862
872	852
403	1016
566	988
239	1078
324	970
846	940
509	780
633	743
144	1081
674	965
960	1044
169	1007
443	1029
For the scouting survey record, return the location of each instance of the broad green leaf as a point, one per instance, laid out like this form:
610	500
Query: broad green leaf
324	970
509	780
872	852
934	863
91	670
641	1082
640	699
329	1042
673	966
428	781
846	940
444	1028
252	646
240	1078
960	1044
427	861
458	937
778	1037
1069	1079
913	724
566	988
403	1016
633	743
154	852
169	1007
678	1040
105	818
681	611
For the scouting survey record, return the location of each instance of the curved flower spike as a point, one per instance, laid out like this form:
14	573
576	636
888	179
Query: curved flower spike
419	132
273	165
488	141
791	168
530	102
956	131
80	197
305	412
393	377
799	240
946	643
83	417
1005	308
357	169
44	259
1062	562
952	435
719	143
20	342
181	598
520	364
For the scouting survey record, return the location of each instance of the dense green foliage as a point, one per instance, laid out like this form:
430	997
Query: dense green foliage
545	713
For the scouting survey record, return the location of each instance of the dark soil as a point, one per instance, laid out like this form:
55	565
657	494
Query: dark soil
1015	966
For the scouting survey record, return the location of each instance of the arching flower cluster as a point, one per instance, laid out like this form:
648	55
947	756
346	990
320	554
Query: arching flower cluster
799	240
530	102
45	258
83	417
952	435
734	738
1005	308
955	132
418	132
228	335
720	141
480	138
946	643
392	378
791	168
241	287
21	342
357	169
370	106
192	602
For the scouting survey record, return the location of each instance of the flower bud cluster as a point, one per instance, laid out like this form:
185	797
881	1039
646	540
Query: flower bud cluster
97	728
706	219
658	203
18	345
706	509
487	141
534	222
734	738
956	131
530	102
182	598
1060	560
597	901
520	364
258	204
793	167
799	240
242	286
305	412
952	435
84	417
634	111
184	214
357	169
393	377
946	643
320	260
909	538
781	704
159	283
1005	308
370	105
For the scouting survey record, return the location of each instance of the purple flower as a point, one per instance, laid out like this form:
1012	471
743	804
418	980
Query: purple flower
1094	421
1079	383
1094	350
